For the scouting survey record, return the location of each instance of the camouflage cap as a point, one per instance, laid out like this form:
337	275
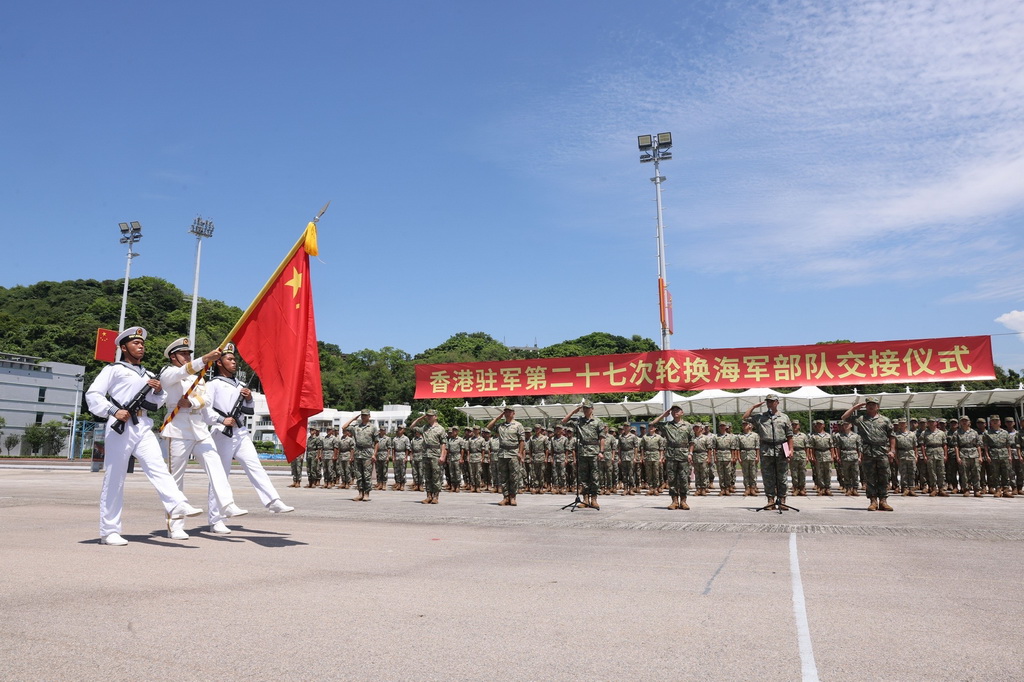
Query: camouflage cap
995	416
538	426
587	403
772	396
819	421
508	408
486	431
415	429
431	413
872	399
930	419
940	420
364	411
1009	420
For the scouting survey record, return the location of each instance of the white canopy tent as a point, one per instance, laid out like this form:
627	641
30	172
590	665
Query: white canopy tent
716	402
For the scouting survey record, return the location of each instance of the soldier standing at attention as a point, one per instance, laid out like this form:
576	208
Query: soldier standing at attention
116	386
749	452
330	459
456	453
678	438
775	431
346	449
558	444
381	455
590	434
997	443
650	447
435	454
1015	455
296	466
798	460
475	457
849	447
936	452
510	455
365	436
537	449
314	458
822	454
629	446
906	455
878	447
610	461
399	454
700	452
417	447
726	455
968	445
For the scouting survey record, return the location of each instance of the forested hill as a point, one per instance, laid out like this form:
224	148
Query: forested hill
57	321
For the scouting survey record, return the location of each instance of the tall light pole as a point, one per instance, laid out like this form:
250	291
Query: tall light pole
131	233
74	419
200	228
656	148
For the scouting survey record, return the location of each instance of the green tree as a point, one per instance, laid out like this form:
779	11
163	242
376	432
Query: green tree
48	438
10	442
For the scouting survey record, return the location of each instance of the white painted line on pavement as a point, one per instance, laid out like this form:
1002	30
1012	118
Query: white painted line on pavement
809	671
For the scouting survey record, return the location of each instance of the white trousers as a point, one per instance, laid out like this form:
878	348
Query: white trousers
179	449
138	440
239	446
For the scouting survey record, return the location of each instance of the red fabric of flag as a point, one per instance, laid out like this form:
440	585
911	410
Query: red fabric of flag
106	351
278	340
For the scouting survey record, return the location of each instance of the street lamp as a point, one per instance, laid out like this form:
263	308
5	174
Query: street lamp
656	148
131	233
200	228
74	419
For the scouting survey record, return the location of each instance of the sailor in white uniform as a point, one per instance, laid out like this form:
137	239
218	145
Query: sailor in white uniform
188	433
229	397
124	393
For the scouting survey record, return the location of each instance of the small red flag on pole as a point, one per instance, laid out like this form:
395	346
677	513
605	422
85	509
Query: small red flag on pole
106	351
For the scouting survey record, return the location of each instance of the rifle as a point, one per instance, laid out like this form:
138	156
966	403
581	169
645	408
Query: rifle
138	402
237	410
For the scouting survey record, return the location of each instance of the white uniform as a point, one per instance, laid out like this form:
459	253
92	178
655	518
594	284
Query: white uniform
223	392
189	434
121	382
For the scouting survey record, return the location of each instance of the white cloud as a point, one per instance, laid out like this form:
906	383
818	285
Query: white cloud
1013	320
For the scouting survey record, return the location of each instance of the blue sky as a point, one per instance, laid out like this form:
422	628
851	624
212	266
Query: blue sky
841	169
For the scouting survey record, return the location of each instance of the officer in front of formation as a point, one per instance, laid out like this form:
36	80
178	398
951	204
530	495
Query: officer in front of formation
590	433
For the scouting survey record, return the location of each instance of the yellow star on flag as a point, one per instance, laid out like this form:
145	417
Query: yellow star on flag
295	282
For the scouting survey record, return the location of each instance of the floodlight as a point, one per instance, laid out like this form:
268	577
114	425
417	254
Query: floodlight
645	142
124	227
664	140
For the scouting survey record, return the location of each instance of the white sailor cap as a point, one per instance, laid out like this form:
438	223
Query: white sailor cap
130	334
181	344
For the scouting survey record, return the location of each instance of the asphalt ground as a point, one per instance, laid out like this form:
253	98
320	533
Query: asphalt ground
468	590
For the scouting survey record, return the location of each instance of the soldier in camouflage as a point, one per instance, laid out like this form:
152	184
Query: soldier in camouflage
314	459
727	453
967	444
798	460
417	446
878	447
365	454
330	459
935	452
701	447
651	450
749	444
997	443
346	447
537	449
590	434
511	437
629	446
677	454
1015	455
456	453
559	443
775	431
400	447
906	456
435	454
822	453
381	455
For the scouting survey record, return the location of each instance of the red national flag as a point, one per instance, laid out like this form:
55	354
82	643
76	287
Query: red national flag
106	351
278	340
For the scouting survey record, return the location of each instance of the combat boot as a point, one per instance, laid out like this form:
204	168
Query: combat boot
433	500
593	502
512	501
771	503
682	503
874	505
932	492
426	500
911	493
943	493
1007	492
782	503
883	505
358	499
504	502
978	494
675	503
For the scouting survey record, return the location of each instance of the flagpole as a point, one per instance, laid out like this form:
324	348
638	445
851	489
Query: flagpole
308	239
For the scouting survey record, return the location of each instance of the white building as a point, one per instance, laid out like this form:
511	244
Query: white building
35	392
263	429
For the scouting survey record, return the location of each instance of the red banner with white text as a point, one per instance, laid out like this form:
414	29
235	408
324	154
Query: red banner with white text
879	362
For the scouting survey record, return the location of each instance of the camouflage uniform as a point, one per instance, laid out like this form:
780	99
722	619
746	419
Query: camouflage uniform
296	465
651	448
628	445
678	436
774	430
933	442
1018	458
558	447
330	462
417	446
748	444
798	462
821	444
346	445
611	459
366	437
849	446
510	435
383	455
997	445
906	455
475	459
725	447
538	452
968	444
875	433
453	470
314	460
590	434
702	445
400	447
434	437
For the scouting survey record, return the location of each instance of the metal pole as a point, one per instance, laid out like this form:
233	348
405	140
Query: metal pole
124	294
195	294
74	419
662	313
